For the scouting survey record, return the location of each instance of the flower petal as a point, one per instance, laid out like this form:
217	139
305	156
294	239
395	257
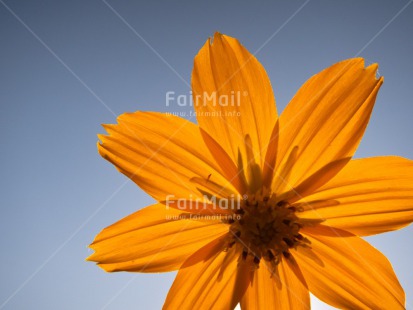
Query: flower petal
353	274
210	279
326	120
368	196
161	153
264	292
154	239
225	70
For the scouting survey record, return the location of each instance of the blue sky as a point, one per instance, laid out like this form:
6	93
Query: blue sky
68	66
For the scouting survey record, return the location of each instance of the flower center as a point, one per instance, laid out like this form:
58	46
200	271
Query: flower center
266	228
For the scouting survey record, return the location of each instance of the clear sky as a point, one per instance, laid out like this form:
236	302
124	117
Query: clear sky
68	66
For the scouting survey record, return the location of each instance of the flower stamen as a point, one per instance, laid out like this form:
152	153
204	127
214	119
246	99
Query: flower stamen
266	228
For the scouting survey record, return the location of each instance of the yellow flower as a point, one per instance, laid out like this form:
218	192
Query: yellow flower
296	203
